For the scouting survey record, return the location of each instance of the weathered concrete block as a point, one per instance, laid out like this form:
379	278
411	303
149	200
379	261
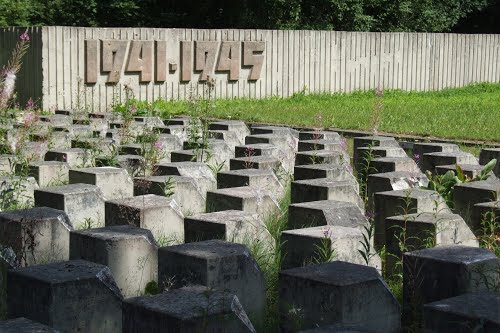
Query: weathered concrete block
72	296
130	253
469	170
185	310
409	201
216	264
24	325
177	121
132	163
483	216
336	292
205	178
307	246
319	135
17	191
218	152
255	162
37	236
149	121
421	148
114	183
471	312
321	157
391	164
277	130
75	157
184	190
373	141
57	119
98	145
442	272
265	179
325	189
365	154
131	149
230	138
487	154
49	173
282	141
178	130
83	203
238	127
331	171
319	144
466	195
229	225
325	212
393	181
162	216
431	160
246	198
424	229
258	149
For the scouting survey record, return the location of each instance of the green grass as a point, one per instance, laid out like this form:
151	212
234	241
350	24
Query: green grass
472	112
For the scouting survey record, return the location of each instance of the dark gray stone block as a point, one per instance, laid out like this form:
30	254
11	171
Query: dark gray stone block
332	171
325	212
339	158
325	189
434	274
258	149
72	296
487	154
471	312
466	195
216	264
20	325
336	293
255	162
431	160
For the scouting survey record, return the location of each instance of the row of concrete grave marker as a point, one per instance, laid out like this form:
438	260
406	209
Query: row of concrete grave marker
92	280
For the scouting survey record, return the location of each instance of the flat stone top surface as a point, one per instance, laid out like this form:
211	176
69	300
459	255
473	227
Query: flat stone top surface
70	189
392	159
379	148
491	204
187	303
412	193
457	254
321	152
36	213
224	216
20	325
321	166
484	305
48	163
338	273
325	205
118	232
258	158
129	157
426	217
61	272
249	172
324	182
322	142
489	185
210	249
161	179
67	150
466	167
258	146
100	170
144	201
450	154
243	192
375	138
330	231
229	123
496	150
398	175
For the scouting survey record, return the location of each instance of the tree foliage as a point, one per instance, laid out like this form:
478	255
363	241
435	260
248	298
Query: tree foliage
347	15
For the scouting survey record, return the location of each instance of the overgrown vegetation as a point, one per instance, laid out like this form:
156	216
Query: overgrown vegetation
352	15
413	113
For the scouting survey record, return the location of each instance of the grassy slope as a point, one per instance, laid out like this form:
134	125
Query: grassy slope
472	112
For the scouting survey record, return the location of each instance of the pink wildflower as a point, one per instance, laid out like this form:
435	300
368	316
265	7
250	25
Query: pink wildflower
29	118
158	145
25	37
30	104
